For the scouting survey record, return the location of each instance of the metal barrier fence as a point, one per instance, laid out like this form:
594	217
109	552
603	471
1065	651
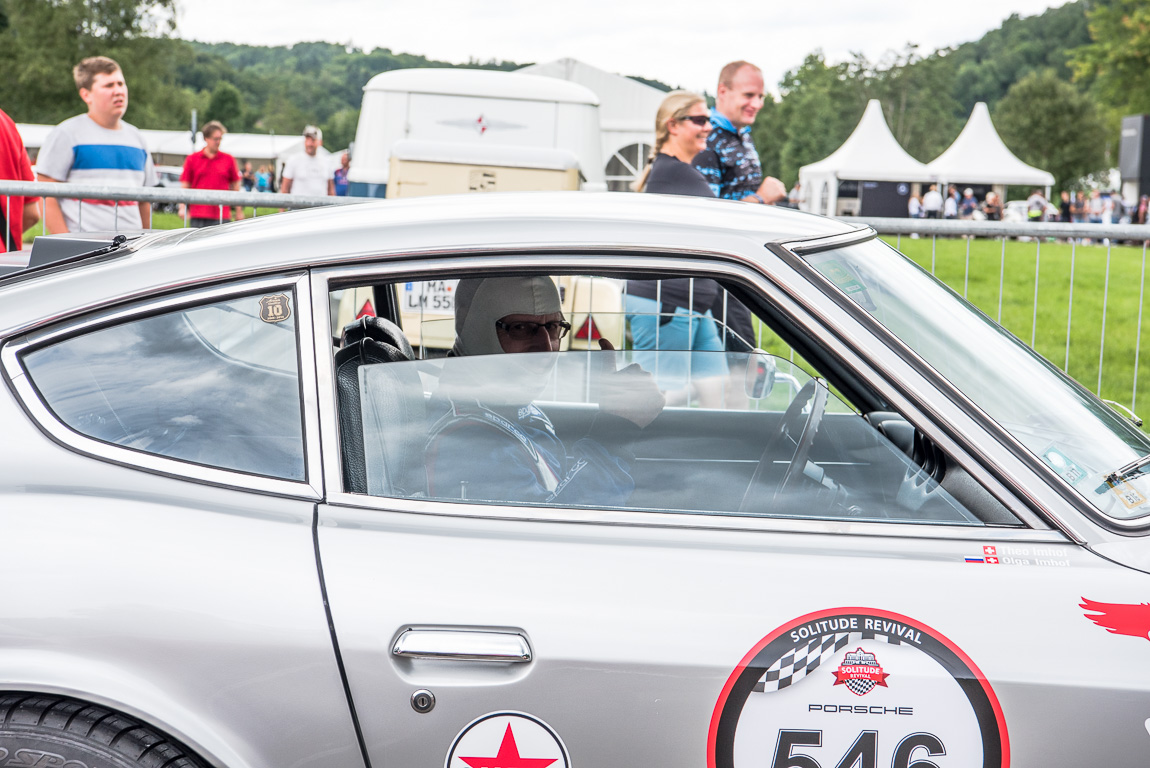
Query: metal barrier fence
1037	278
1032	278
160	195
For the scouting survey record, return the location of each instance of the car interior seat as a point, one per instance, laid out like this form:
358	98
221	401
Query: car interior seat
371	341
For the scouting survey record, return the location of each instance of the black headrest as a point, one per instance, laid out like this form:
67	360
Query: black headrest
378	329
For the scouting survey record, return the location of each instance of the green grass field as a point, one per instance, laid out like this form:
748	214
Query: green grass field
159	221
977	276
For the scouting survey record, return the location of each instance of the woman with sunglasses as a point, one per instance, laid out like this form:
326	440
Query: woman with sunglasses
682	125
672	321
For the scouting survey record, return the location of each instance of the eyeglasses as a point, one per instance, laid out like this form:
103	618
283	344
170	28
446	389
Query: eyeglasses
699	120
521	331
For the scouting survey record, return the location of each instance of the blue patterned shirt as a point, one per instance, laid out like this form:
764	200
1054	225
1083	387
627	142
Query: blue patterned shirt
730	163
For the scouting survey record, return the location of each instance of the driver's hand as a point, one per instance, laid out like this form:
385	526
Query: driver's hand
631	392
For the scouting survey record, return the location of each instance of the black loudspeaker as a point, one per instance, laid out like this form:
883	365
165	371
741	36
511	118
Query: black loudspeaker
1134	150
884	198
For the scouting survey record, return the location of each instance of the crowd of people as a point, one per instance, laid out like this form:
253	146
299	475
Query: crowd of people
100	148
1078	206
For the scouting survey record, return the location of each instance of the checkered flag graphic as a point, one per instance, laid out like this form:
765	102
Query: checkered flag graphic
800	662
803	660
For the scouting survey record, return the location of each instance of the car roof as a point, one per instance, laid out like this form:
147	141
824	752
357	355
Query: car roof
385	229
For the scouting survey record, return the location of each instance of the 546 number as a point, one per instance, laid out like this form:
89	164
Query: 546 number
863	753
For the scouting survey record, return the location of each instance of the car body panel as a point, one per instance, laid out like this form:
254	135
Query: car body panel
161	600
629	635
256	620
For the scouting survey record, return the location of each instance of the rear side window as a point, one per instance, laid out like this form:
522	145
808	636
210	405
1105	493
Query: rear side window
216	385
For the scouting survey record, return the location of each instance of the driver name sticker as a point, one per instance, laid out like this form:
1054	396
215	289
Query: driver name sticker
856	687
507	740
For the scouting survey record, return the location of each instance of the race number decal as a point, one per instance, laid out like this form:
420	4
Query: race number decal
859	688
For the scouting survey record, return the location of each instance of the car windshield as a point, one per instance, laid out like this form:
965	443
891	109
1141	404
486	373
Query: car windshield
1073	432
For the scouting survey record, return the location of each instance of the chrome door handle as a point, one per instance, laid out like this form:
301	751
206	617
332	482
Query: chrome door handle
462	645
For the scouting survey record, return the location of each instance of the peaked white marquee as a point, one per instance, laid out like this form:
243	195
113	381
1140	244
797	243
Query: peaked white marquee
870	153
978	156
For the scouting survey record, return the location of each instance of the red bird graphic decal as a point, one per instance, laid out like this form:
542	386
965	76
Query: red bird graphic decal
1120	618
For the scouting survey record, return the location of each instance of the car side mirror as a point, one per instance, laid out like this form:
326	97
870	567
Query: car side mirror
759	379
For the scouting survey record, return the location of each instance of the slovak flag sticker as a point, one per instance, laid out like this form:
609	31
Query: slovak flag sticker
507	740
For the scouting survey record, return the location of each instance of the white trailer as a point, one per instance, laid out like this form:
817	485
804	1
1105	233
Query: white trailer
496	114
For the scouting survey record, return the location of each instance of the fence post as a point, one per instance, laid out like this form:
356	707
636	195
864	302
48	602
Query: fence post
966	269
1001	278
1069	309
1034	315
1105	299
1138	333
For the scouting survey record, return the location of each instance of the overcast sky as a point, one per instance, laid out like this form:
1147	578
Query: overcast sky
681	43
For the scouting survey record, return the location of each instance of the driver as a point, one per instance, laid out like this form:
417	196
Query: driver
488	440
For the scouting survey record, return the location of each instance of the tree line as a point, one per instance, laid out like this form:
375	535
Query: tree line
1057	84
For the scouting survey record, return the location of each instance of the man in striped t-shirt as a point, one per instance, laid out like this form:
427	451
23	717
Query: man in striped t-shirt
98	148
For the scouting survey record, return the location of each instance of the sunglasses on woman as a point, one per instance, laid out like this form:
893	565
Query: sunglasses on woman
699	120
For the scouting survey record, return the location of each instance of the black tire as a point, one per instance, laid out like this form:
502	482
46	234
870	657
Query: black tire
38	731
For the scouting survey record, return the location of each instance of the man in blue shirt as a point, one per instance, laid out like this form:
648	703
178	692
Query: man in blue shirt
730	163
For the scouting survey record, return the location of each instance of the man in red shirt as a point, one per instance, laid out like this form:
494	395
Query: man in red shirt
16	213
211	169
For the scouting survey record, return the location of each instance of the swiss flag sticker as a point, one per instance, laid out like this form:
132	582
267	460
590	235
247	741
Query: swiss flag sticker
989	551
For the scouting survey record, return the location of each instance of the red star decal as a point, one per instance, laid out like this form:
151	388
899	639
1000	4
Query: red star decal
508	756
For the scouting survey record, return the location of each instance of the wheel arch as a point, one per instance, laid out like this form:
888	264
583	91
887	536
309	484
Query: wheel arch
119	690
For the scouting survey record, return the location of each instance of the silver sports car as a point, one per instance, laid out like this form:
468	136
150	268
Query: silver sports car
810	509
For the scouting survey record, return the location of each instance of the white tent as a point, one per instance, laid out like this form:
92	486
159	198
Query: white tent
870	154
978	156
626	115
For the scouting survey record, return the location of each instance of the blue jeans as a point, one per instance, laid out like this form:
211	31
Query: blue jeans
687	343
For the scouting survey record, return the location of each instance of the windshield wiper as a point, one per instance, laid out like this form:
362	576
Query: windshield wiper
1126	471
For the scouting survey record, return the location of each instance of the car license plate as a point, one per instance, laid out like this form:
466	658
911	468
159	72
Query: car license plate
435	296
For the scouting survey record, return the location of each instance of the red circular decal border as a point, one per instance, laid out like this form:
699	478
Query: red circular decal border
721	704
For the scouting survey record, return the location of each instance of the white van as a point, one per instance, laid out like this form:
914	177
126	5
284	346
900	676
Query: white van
443	131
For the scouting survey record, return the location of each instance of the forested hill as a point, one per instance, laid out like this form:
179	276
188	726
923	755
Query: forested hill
985	70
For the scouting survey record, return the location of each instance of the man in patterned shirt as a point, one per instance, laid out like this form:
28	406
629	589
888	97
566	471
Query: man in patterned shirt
730	163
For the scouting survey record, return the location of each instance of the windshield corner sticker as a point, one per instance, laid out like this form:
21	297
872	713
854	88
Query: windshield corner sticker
1126	493
507	740
1119	618
857	686
1066	467
275	309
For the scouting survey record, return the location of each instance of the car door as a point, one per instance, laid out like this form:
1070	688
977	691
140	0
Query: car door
760	600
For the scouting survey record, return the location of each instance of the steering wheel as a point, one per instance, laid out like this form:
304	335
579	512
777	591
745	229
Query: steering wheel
796	427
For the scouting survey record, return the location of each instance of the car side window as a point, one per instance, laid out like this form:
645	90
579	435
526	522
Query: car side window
216	385
541	431
735	432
